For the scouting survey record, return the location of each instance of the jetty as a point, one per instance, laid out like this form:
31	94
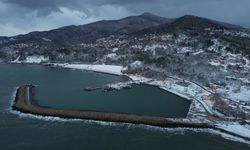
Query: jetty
25	103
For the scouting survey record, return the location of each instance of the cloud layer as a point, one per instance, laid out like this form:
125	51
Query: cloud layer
22	16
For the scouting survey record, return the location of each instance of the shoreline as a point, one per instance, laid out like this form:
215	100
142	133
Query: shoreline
135	79
194	115
142	80
25	95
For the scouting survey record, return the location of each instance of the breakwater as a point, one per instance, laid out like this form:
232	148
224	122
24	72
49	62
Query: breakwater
25	102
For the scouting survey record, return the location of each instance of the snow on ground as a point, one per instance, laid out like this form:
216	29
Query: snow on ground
188	91
137	46
247	65
110	69
166	37
16	60
151	48
236	33
46	40
136	64
139	79
111	55
169	85
115	49
215	46
32	59
243	130
197	107
235	92
191	92
239	89
185	92
216	63
227	59
184	50
243	94
36	59
181	38
198	52
120	85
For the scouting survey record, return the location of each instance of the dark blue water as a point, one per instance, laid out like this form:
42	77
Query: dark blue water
140	100
27	133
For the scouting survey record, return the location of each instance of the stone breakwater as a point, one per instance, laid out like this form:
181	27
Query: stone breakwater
25	103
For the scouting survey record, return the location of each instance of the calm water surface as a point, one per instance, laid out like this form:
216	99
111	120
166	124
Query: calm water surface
62	88
141	100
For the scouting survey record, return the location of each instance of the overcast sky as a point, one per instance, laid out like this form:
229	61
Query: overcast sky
23	16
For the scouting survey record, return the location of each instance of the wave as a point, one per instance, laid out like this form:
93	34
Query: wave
228	136
176	131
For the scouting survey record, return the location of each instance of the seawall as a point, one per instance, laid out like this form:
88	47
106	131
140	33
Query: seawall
24	102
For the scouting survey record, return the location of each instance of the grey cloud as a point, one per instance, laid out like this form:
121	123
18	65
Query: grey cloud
218	9
25	13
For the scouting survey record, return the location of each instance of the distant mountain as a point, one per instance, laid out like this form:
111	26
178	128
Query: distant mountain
199	23
189	22
86	39
210	53
142	24
90	32
189	47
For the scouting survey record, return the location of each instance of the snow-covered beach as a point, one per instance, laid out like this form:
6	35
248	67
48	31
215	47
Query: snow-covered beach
110	69
190	92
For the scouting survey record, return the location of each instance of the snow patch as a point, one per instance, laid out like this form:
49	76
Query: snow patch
215	46
46	40
199	52
111	55
32	59
139	79
36	59
110	69
16	60
114	49
151	48
184	50
136	64
243	94
243	130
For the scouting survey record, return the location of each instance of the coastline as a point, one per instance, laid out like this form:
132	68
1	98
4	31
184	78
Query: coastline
193	115
118	72
23	102
137	79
